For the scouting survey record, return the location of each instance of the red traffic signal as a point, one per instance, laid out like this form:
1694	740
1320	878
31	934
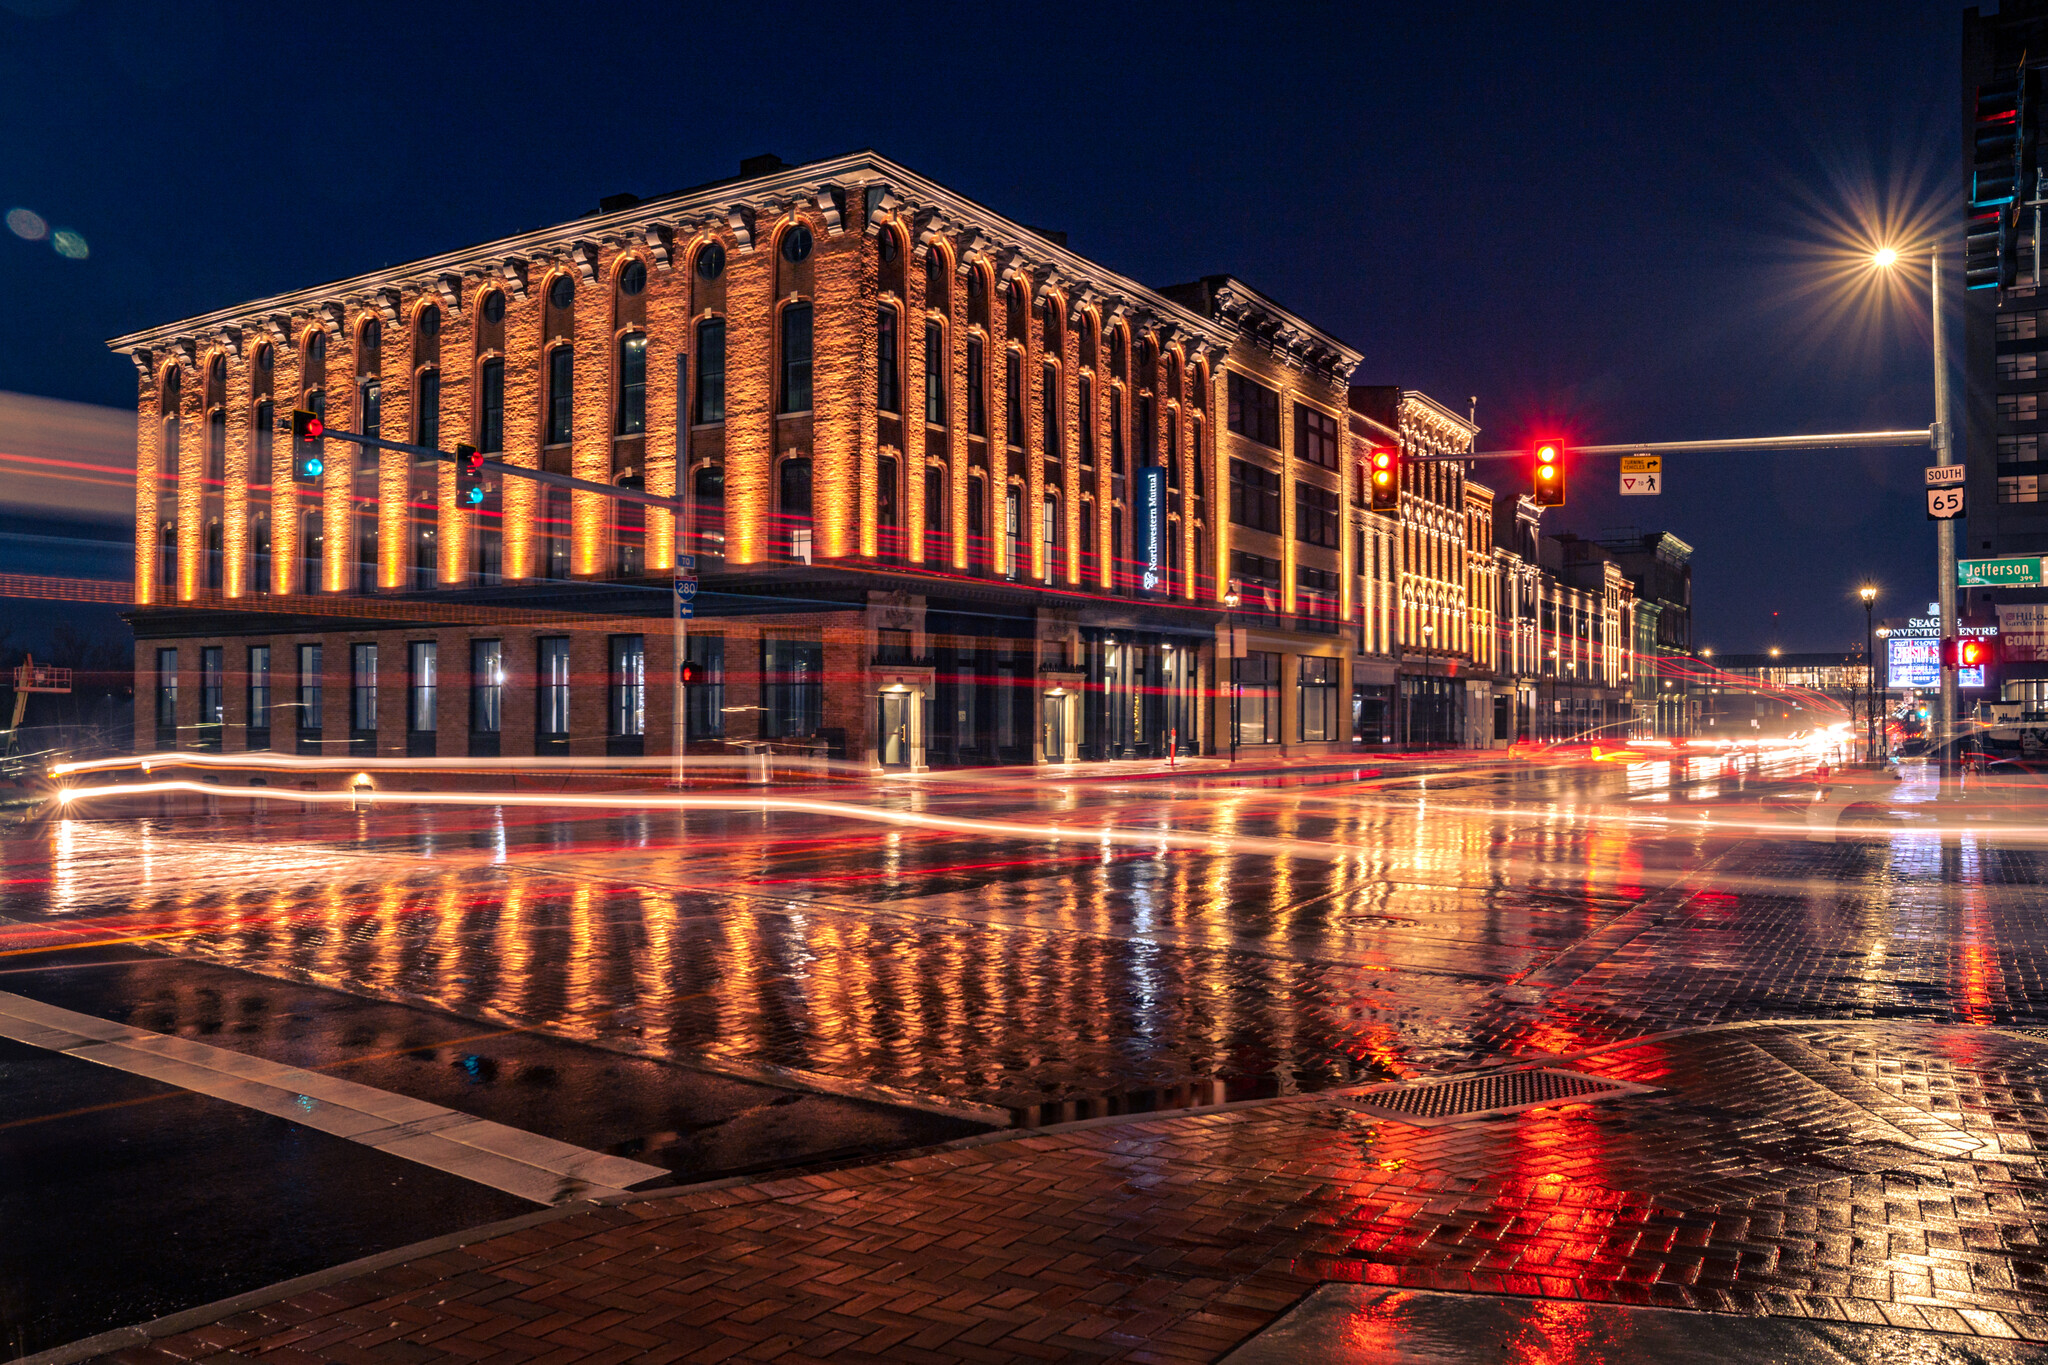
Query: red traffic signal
307	429
692	674
1547	477
1383	474
469	476
1972	651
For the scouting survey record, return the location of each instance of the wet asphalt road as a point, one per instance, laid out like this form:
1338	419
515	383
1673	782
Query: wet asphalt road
716	993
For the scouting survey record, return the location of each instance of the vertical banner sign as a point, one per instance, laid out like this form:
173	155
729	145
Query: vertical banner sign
1152	524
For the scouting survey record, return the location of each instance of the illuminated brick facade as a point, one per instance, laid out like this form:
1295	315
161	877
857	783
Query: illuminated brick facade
926	449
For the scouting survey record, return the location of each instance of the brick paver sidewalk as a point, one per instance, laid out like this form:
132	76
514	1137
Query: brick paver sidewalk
1880	1173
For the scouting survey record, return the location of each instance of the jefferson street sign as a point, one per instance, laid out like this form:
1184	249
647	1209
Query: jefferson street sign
2010	571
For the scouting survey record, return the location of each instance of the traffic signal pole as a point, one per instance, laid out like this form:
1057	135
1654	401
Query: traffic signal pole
516	471
1945	531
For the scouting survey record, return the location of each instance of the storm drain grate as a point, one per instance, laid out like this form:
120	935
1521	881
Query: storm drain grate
1465	1097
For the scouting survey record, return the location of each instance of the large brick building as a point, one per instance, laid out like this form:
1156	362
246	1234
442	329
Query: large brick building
957	495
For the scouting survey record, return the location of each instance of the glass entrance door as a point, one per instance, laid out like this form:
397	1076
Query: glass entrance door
1055	725
893	732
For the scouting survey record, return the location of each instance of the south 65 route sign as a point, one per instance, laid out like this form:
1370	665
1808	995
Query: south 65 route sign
1944	492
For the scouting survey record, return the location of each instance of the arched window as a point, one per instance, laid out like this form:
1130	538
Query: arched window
796	355
490	423
888	506
935	370
1055	534
1084	398
561	391
427	430
707	497
215	554
425	518
937	279
935	509
1013	398
366	544
216	448
887	384
1049	422
629	531
633	381
312	549
710	370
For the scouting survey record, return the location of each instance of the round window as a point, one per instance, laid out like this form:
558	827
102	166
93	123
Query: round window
494	307
430	321
633	278
711	261
889	247
796	244
562	292
263	357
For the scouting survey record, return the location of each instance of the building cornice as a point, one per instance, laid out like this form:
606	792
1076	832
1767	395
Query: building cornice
1435	427
733	208
1267	324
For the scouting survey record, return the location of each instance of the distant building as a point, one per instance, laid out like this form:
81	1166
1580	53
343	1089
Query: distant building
1659	564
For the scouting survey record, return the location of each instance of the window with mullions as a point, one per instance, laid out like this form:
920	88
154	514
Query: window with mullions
257	683
551	673
2019	449
561	395
1013	398
1254	410
704	699
2018	326
1315	515
212	686
490	426
1315	600
362	689
217	447
1255	698
1254	497
259	551
216	557
628	709
792	688
632	383
312	549
166	689
554	531
2019	407
2020	365
427	431
1116	430
486	686
1258	582
1049	413
796	358
1316	701
710	371
977	389
370	403
887	388
311	683
1315	437
423	686
935	374
1084	397
1055	537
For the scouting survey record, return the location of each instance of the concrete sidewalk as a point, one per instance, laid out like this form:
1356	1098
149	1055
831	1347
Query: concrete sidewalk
1884	1174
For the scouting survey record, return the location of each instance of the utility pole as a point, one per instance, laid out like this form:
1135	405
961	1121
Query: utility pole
1945	530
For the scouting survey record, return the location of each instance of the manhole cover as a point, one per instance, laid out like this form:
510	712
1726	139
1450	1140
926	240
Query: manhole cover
1464	1097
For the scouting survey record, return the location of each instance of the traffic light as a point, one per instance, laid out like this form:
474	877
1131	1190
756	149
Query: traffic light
469	476
307	429
692	674
1549	474
1972	651
1384	473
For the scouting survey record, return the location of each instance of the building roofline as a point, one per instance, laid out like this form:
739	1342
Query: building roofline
902	191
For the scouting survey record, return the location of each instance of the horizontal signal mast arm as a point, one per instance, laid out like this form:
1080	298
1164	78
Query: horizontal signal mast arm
1845	440
497	467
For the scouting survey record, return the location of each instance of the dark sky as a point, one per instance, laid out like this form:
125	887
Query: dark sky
1603	221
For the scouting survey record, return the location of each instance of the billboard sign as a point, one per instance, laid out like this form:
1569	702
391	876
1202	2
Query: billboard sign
1914	665
2023	628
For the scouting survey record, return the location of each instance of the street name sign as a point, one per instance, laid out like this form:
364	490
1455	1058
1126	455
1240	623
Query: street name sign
1642	476
2009	571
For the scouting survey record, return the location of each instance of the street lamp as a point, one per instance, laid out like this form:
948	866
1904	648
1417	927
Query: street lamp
1868	592
1231	599
1885	693
1884	258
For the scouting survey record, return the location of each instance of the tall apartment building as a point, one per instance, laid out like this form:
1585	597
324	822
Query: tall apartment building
956	495
2002	400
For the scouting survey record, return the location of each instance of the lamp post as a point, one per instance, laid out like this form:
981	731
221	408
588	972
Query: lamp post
1884	700
1868	593
1231	599
1945	530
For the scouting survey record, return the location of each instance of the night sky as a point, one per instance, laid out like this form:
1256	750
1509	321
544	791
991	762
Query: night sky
1610	222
